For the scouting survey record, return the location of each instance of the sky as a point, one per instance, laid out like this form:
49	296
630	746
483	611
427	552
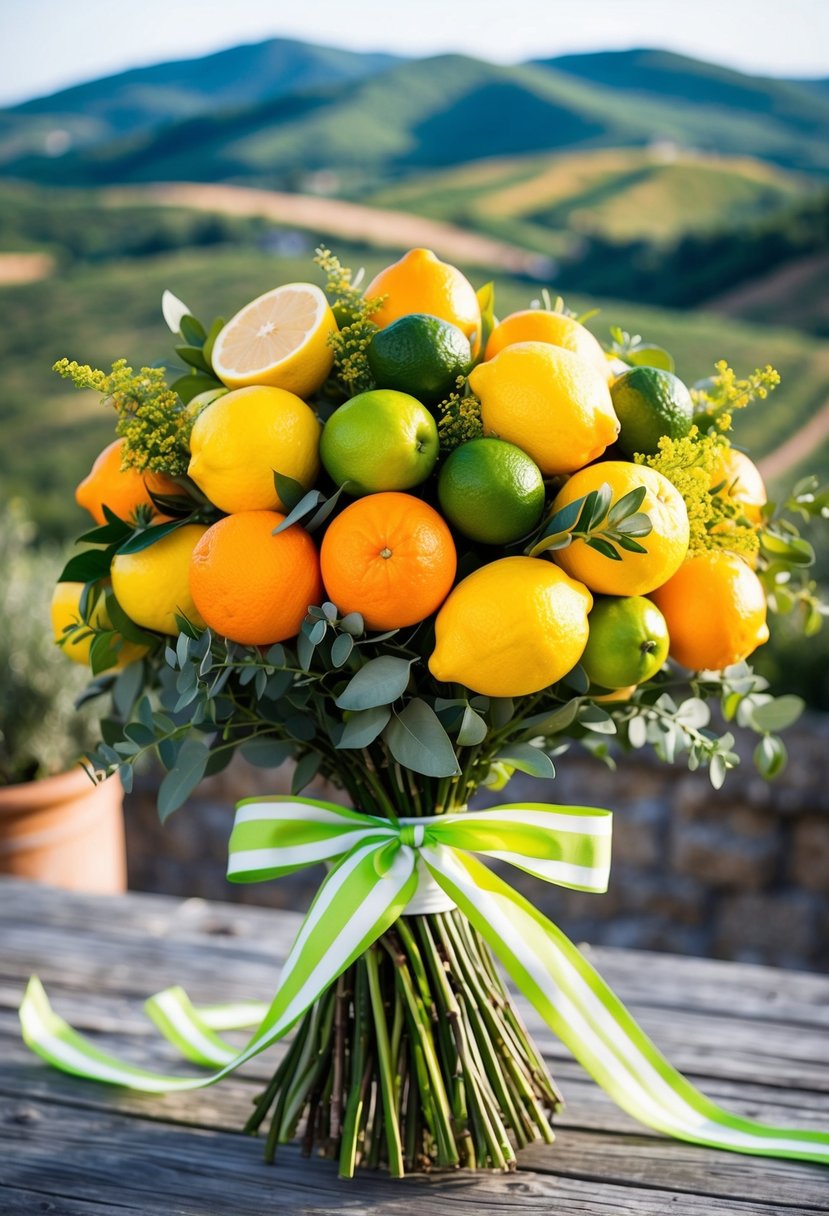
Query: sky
49	44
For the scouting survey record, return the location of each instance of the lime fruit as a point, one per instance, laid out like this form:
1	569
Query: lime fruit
511	628
628	641
421	355
380	440
650	403
491	491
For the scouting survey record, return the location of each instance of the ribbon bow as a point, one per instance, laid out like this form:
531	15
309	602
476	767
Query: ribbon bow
379	868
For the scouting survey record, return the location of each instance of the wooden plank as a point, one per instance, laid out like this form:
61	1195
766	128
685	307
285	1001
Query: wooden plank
101	1156
697	1041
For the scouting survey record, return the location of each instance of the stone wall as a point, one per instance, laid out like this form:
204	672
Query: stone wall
741	874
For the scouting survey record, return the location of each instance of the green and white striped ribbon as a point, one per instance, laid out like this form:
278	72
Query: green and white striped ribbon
377	869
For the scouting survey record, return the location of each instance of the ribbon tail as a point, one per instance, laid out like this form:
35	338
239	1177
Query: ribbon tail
592	1022
352	908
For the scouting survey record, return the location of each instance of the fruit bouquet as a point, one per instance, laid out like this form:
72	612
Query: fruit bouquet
414	549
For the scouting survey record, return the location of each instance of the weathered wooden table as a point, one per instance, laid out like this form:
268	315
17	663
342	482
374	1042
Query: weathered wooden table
754	1038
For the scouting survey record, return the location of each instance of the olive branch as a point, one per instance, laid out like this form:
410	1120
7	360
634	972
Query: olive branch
604	525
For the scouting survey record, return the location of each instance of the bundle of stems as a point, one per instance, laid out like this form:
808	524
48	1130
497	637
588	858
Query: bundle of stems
416	1059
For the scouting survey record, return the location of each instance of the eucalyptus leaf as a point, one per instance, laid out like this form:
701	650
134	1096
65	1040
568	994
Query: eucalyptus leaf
363	727
127	688
626	506
605	548
179	783
777	714
770	756
290	492
192	330
305	772
341	649
266	753
379	682
527	759
473	729
418	741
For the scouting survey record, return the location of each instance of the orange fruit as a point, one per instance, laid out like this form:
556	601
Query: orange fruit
389	557
715	608
541	325
744	484
122	490
421	283
666	545
251	586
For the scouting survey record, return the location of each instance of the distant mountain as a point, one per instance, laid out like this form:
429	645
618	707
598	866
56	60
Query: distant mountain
143	98
274	113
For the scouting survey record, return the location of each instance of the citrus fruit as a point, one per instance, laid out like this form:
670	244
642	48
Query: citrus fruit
379	440
666	545
552	404
66	610
741	482
241	439
253	586
281	338
715	608
649	403
122	490
511	628
491	491
420	355
421	283
628	641
389	557
153	584
542	325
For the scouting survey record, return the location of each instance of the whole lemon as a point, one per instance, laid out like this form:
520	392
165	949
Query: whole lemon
543	325
549	402
715	608
737	478
419	282
511	628
665	546
66	610
154	584
242	438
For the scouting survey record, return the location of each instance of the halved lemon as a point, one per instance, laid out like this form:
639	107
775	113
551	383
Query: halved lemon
280	339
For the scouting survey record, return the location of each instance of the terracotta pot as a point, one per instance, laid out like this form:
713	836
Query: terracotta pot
65	831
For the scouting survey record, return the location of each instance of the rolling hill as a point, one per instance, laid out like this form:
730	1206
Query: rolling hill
270	113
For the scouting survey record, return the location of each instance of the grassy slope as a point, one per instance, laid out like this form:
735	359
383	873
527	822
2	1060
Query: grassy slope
620	193
95	314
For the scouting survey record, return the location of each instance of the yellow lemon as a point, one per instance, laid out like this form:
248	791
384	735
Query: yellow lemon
549	402
240	440
66	610
715	607
511	628
281	338
542	325
741	482
419	282
666	546
154	584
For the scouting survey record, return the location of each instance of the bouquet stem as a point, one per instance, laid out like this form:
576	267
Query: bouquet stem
416	1059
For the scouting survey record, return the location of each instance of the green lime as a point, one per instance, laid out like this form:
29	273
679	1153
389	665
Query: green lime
491	491
628	641
421	355
380	440
650	403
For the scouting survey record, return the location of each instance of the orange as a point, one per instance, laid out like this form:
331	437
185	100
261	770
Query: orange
666	545
744	484
251	586
421	283
541	325
122	490
389	557
715	608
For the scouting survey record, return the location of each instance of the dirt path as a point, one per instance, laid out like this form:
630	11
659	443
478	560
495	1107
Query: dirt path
371	225
16	268
798	446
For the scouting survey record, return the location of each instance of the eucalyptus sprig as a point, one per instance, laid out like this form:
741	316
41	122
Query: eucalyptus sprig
603	524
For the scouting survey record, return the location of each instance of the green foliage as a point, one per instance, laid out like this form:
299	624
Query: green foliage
41	731
605	525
